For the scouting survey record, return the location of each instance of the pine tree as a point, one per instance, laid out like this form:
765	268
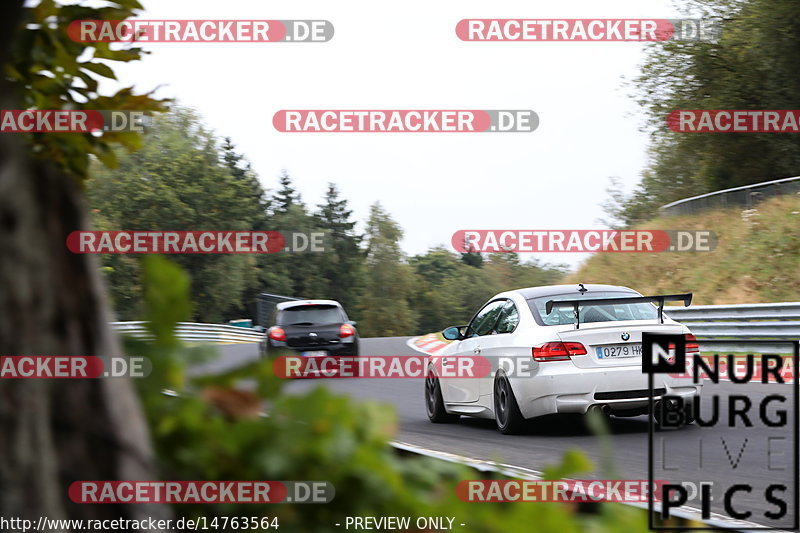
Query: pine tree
342	265
286	196
243	173
389	284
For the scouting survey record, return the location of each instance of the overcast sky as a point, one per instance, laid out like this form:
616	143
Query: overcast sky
406	55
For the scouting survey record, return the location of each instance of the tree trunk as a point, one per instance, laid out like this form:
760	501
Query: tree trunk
52	302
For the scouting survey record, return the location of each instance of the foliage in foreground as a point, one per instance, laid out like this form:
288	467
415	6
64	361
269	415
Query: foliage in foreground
51	71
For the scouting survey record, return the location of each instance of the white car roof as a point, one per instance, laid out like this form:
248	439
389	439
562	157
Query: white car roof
553	290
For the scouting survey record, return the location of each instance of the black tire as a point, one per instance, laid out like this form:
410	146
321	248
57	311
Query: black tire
688	414
434	404
507	415
688	418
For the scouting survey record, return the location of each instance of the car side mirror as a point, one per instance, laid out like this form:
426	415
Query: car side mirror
453	333
352	322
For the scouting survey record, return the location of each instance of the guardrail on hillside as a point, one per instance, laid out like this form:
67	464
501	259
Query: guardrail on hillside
746	196
195	332
763	324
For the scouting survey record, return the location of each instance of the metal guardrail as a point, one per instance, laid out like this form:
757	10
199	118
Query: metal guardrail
764	324
195	332
767	325
494	470
746	196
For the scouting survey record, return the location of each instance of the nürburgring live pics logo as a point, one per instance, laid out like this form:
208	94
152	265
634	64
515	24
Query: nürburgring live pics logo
721	470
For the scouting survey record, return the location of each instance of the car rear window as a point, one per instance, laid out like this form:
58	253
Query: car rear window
561	316
310	315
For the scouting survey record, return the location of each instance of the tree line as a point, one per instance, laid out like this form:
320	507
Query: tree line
753	65
184	178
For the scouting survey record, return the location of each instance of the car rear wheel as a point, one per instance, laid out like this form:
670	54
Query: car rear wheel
507	415
434	403
660	415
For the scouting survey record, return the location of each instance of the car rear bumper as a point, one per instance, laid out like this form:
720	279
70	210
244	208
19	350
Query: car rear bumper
336	350
569	390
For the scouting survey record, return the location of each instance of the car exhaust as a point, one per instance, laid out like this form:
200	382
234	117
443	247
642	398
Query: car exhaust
604	409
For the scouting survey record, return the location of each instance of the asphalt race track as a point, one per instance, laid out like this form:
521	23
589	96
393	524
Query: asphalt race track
726	458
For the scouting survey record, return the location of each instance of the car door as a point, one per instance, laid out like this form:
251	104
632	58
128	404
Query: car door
499	343
467	389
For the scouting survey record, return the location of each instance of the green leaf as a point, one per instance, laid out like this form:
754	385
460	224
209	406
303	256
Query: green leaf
100	69
573	462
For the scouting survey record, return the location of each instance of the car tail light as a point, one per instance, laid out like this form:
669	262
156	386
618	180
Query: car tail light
558	351
277	334
346	330
691	344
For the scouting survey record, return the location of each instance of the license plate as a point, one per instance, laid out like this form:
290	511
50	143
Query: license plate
314	354
612	351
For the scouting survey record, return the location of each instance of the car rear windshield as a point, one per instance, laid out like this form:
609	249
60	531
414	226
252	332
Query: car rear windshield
561	316
310	315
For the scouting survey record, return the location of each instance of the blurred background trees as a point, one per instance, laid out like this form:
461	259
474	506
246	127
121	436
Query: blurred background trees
753	65
184	178
180	179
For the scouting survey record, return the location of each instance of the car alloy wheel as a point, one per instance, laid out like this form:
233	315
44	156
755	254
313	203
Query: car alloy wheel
434	403
506	411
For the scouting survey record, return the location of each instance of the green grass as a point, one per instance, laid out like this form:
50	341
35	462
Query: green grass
757	258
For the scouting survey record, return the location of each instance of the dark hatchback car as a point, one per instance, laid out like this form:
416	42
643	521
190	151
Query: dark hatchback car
314	328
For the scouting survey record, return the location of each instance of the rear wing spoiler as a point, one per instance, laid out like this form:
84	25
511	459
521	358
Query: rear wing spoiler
660	299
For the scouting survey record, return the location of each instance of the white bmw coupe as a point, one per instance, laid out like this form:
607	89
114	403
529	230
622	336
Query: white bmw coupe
556	349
